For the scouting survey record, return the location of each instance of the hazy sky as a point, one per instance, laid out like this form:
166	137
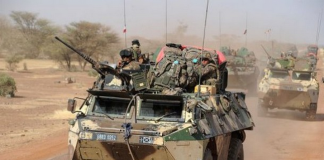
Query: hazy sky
294	21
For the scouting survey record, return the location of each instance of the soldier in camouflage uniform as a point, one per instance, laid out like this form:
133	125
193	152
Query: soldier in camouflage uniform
127	61
207	69
135	50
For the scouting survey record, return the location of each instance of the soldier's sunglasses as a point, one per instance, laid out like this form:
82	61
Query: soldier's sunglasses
205	59
125	56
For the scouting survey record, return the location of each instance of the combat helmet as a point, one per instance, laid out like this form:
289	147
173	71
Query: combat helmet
206	55
125	53
136	42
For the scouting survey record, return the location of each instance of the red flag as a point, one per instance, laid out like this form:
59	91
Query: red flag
245	31
124	30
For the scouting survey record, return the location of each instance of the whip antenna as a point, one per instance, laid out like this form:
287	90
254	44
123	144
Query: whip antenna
220	31
124	31
319	26
203	46
245	32
166	21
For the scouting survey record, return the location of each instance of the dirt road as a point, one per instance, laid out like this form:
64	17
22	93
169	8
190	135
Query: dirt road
34	124
285	135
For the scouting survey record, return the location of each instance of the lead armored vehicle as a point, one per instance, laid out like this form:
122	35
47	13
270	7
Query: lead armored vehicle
124	119
242	69
289	83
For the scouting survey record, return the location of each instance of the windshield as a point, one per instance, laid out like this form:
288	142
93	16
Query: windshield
154	109
304	76
113	106
281	75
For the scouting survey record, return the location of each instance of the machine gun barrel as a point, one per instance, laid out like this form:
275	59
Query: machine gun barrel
87	58
266	51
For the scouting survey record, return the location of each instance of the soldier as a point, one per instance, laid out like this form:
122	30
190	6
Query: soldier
207	70
127	61
135	50
291	60
144	58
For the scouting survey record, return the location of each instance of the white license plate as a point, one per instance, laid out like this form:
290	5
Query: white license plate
105	137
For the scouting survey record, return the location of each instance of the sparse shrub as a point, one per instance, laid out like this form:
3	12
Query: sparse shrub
12	61
7	85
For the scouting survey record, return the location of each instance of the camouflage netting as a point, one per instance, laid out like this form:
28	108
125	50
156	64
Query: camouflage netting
7	85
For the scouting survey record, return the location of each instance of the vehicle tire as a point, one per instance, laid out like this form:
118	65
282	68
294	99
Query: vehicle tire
262	110
235	151
208	155
311	113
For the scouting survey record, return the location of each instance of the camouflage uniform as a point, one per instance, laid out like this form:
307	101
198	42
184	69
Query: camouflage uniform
131	65
208	71
291	63
135	50
208	74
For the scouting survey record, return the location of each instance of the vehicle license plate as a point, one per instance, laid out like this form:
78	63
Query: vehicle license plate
105	137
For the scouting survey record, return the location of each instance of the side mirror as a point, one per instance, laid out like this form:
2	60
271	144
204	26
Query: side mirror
71	105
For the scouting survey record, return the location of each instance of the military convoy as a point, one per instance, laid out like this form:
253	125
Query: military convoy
123	118
242	69
289	83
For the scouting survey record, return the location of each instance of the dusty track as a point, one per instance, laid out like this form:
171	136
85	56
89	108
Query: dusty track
34	124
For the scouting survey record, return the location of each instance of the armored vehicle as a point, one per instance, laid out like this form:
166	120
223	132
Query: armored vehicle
130	121
242	69
312	49
289	83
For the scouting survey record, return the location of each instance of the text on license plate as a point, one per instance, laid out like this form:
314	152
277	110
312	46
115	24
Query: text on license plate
105	137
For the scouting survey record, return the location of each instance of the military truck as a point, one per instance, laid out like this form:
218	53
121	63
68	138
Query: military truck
242	69
289	83
128	121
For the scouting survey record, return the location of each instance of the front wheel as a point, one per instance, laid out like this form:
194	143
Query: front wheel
311	113
208	155
235	151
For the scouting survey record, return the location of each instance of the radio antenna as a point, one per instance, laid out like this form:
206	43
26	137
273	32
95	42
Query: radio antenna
166	21
203	46
220	30
125	30
319	26
245	31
